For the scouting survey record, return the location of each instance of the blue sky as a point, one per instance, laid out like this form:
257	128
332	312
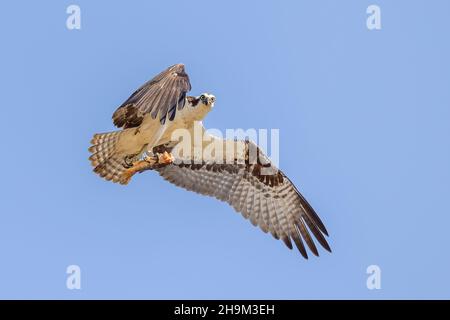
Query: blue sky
364	133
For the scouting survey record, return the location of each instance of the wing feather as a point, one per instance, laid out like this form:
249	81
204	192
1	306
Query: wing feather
305	234
263	220
163	94
271	202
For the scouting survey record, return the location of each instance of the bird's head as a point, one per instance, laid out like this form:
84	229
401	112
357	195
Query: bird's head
207	99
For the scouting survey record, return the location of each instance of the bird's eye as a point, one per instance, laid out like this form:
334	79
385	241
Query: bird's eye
202	97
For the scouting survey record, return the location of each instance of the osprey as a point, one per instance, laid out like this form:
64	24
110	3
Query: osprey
151	116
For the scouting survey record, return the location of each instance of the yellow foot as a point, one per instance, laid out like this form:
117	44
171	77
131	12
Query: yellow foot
165	158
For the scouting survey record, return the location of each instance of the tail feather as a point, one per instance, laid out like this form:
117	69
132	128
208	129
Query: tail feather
107	163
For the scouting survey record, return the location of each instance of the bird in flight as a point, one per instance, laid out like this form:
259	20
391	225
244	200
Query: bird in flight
148	120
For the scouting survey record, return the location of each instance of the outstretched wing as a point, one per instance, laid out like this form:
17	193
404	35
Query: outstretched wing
271	201
162	96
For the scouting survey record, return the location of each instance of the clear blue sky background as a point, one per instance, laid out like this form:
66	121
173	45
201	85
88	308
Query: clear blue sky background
364	120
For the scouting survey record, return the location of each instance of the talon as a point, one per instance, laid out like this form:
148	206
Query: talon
165	158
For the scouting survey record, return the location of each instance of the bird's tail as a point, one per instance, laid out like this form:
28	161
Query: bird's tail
105	159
